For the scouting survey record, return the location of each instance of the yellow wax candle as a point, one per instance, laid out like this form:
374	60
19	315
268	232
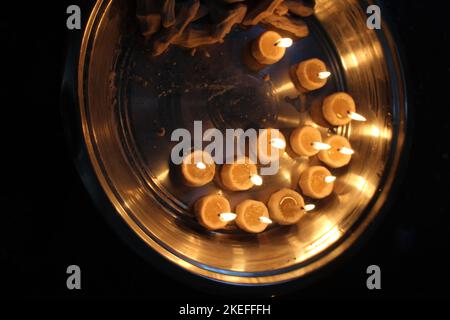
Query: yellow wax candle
211	211
269	47
306	141
339	154
310	74
271	145
286	206
316	182
252	216
240	175
198	168
338	108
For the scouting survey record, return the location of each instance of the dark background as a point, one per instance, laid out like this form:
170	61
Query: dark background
48	220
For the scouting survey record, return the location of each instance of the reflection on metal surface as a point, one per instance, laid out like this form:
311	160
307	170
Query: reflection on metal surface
131	162
360	183
351	61
329	237
376	132
284	87
285	174
163	175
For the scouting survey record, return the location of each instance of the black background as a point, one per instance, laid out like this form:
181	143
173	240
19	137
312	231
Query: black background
49	222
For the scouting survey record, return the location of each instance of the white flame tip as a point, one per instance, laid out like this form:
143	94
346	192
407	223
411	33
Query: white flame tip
347	151
227	216
356	116
324	75
321	146
264	219
256	180
201	165
284	42
309	207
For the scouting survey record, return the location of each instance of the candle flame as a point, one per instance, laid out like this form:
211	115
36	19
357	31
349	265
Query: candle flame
345	150
324	75
256	180
201	165
321	146
265	220
278	143
284	42
330	179
309	207
227	216
356	116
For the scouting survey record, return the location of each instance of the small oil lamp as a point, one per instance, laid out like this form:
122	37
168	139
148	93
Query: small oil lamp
252	216
339	109
213	212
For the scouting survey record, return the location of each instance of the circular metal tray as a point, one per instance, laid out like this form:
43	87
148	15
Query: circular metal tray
130	103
